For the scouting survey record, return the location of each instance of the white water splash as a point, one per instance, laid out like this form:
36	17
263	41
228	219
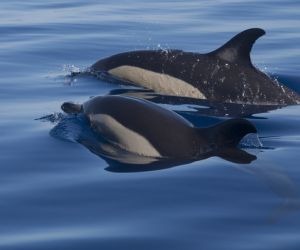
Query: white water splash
251	141
53	118
70	69
67	129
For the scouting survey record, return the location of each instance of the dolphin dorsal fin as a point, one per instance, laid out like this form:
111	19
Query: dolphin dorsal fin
238	48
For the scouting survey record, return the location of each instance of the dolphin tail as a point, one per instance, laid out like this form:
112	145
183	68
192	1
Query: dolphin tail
228	133
238	48
71	108
224	138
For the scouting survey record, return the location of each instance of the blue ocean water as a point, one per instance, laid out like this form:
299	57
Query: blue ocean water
56	194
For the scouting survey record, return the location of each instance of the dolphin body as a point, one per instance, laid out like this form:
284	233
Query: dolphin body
224	75
138	132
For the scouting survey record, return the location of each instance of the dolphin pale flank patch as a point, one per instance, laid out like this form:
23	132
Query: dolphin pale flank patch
124	137
159	82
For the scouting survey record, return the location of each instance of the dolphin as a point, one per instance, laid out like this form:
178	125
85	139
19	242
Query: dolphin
140	128
224	75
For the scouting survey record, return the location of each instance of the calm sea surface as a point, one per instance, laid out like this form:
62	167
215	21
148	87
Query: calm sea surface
56	194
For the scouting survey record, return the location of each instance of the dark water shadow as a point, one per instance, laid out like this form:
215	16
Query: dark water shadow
273	176
133	163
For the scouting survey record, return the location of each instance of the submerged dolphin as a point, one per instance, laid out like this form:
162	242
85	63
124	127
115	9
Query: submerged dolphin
225	75
144	130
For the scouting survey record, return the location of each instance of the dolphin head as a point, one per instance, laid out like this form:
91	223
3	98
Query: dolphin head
71	108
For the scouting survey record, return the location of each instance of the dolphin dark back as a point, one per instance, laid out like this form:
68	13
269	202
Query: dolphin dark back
165	130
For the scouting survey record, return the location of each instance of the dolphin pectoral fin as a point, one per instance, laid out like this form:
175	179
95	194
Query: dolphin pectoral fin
71	108
236	155
239	47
